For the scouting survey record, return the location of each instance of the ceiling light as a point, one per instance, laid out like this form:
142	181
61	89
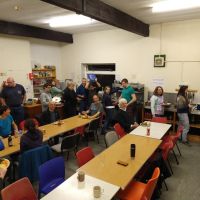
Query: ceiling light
172	5
70	20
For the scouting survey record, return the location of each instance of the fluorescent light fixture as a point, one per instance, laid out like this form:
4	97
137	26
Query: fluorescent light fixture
172	5
70	20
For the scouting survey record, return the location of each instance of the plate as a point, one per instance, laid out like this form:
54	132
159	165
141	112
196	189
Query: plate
56	99
4	163
109	107
166	104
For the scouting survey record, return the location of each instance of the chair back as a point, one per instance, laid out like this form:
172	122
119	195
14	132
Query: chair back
160	120
94	124
151	184
166	148
21	189
21	124
70	142
31	160
111	137
80	130
119	130
51	174
84	155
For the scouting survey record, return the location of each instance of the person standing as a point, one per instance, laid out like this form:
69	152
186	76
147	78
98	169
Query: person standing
70	101
45	96
55	90
128	93
94	87
82	95
157	100
108	107
182	111
14	96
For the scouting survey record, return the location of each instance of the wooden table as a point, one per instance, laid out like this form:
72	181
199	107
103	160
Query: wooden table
157	130
71	191
51	131
105	167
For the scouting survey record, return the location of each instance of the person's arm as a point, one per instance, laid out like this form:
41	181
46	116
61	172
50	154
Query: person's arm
2	100
94	116
57	90
98	84
24	99
153	102
15	128
87	85
132	100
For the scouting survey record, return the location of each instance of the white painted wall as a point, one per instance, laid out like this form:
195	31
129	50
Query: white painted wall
134	54
15	61
45	52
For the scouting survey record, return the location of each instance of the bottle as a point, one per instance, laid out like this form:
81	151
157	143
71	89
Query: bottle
10	142
148	128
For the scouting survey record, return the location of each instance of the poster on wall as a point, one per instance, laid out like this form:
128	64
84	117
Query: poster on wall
157	82
159	60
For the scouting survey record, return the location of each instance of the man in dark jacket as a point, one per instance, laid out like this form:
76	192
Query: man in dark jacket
50	115
123	118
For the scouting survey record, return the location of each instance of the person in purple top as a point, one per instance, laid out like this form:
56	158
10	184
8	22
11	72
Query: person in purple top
32	138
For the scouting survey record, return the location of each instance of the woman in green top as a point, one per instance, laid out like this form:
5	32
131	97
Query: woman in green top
55	91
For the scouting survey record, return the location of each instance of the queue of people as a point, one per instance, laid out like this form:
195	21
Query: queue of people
13	96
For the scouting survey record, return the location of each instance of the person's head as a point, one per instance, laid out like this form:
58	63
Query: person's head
84	81
158	91
10	82
183	90
30	125
47	87
53	83
52	106
70	85
4	110
107	90
95	99
122	103
124	83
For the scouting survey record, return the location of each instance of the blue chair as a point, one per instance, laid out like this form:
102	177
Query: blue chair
30	161
51	174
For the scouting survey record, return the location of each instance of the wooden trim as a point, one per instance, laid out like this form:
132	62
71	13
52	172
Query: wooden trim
102	12
12	28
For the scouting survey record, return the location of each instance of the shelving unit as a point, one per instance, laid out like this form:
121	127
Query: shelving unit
42	76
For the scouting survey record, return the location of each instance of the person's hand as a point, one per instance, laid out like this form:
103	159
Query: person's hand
95	79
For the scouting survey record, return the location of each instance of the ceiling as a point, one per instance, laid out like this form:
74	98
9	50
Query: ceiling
36	13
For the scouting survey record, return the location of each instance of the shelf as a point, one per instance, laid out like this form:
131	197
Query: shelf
44	77
42	70
195	125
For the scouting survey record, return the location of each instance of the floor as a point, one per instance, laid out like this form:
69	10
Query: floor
183	185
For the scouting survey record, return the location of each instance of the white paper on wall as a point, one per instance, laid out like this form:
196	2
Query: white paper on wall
157	82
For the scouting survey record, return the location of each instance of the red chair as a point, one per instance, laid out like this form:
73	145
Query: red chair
21	125
80	130
141	191
119	130
160	119
21	189
174	138
166	147
84	155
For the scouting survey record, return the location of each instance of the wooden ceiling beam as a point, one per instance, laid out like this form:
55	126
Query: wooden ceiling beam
100	11
12	28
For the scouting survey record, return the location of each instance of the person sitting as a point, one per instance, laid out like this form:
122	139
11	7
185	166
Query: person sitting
45	96
7	123
96	108
32	138
122	117
50	115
